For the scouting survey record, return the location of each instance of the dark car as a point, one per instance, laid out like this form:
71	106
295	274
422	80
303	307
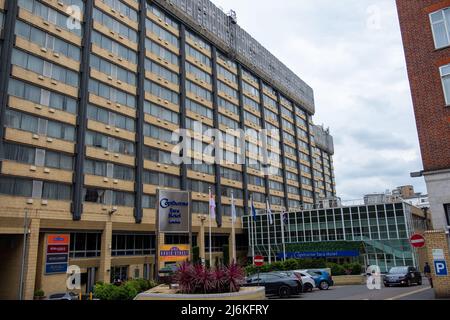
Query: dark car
403	276
276	283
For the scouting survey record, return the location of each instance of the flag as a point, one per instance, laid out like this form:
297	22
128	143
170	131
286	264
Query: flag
253	211
269	212
212	206
233	209
285	218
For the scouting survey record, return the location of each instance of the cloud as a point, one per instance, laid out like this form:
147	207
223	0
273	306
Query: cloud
350	52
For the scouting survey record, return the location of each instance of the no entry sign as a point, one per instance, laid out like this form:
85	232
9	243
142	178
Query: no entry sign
417	241
258	261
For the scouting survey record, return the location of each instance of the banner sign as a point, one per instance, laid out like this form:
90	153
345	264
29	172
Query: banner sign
174	253
57	253
319	254
173	211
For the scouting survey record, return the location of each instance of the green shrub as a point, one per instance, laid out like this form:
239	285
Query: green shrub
336	269
357	268
290	264
126	291
39	293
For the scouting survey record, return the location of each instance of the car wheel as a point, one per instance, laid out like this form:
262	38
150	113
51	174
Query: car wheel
408	283
323	285
284	292
308	287
387	285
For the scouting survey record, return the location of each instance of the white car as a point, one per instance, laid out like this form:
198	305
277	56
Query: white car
308	282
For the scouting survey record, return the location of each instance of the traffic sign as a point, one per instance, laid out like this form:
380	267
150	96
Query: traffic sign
440	266
417	241
258	261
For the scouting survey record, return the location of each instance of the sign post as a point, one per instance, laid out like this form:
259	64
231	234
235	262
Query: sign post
258	261
173	215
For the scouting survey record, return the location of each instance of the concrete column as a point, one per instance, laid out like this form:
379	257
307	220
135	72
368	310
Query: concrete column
161	242
104	271
31	260
201	239
437	239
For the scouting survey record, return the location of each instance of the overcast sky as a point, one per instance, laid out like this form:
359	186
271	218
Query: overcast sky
350	52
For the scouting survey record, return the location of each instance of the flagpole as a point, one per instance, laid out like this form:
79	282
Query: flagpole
253	231
210	228
268	229
233	220
282	236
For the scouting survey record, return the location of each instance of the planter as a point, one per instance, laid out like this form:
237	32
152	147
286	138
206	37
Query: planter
348	280
163	292
39	297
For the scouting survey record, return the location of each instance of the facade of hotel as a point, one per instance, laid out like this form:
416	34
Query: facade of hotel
425	27
91	92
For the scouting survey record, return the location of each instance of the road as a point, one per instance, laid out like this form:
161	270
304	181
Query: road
361	292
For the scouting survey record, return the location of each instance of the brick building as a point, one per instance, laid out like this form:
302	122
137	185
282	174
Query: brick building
425	27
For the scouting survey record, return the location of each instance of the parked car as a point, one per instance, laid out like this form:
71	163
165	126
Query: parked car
64	296
322	279
402	276
307	280
282	284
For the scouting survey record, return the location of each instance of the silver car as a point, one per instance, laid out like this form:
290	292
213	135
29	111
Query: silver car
64	296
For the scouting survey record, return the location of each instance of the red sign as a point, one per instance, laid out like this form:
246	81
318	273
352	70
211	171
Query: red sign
57	249
58	239
417	241
258	261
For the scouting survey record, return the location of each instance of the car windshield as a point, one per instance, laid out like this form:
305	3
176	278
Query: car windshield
57	295
397	270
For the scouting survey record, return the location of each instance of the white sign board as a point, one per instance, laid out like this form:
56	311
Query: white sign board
438	254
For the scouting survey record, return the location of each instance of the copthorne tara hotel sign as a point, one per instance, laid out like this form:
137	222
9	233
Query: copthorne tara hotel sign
173	211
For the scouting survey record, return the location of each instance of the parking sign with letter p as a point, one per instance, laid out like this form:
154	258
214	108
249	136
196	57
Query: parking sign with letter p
440	266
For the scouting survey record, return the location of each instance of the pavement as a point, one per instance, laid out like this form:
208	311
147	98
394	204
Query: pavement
361	292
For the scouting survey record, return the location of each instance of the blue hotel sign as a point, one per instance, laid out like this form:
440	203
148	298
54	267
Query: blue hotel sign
319	254
173	211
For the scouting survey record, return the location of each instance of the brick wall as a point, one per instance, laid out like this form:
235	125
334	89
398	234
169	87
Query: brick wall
423	62
438	240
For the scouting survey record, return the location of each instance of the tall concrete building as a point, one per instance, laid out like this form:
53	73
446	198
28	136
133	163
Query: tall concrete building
90	95
425	27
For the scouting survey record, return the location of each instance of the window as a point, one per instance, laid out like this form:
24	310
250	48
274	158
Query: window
198	73
41	96
53	129
44	68
445	75
16	187
161	52
52	15
98	140
447	212
161	112
112	94
440	24
114	47
162	15
199	109
161	179
158	133
161	92
198	40
198	91
115	25
112	70
122	8
162	33
110	118
19	153
156	155
161	71
197	55
56	191
45	40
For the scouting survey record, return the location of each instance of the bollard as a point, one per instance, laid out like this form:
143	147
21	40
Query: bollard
90	295
80	296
